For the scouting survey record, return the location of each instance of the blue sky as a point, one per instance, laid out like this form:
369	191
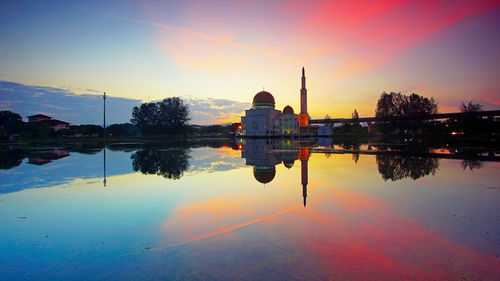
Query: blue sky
87	108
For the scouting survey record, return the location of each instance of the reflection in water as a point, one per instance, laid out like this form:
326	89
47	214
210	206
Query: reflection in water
395	162
304	170
398	167
219	226
10	158
42	158
13	157
170	163
40	168
171	160
104	165
472	164
355	157
265	154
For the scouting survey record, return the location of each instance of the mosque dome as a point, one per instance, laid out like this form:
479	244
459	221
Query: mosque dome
288	110
263	100
264	174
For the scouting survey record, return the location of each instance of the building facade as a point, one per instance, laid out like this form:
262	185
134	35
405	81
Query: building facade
263	120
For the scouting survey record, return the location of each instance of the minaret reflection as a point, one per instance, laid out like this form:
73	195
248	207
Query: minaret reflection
304	160
265	154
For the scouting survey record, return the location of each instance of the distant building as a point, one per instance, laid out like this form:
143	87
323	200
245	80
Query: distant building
38	118
263	120
54	124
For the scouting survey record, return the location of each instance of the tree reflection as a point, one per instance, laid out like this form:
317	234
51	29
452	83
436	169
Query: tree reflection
400	167
355	157
170	164
472	164
11	158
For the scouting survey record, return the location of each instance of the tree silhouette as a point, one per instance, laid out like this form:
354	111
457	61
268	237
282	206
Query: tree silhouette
10	123
170	164
470	107
355	114
398	105
169	116
471	124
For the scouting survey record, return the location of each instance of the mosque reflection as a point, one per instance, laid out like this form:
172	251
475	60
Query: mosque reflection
265	154
394	162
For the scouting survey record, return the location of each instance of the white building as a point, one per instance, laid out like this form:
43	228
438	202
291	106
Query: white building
263	120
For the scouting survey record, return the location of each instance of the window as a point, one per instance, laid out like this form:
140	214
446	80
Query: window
255	125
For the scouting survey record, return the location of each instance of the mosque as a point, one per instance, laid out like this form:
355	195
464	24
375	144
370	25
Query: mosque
263	120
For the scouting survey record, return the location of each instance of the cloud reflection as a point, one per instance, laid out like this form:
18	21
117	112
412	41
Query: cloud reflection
224	229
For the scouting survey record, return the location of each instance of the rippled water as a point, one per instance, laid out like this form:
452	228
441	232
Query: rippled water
255	210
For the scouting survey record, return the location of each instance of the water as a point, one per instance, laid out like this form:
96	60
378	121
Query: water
255	210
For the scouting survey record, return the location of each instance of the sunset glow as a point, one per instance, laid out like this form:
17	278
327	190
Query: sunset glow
230	50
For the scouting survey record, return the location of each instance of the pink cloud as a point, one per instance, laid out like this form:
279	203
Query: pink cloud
208	37
373	32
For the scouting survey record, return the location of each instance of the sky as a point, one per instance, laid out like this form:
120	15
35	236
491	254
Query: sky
218	54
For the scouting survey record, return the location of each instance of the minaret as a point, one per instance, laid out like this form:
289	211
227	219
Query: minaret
303	116
303	93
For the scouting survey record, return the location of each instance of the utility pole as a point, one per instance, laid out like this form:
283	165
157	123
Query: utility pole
104	122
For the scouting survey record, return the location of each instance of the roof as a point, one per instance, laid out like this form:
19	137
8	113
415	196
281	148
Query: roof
54	122
39	116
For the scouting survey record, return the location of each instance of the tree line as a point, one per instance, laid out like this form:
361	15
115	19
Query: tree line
413	105
168	117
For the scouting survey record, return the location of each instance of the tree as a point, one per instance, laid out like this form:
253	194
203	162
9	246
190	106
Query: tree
355	120
11	123
355	114
470	107
169	116
471	124
328	123
9	116
398	105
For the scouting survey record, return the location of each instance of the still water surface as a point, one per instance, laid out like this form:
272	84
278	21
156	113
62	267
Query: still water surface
255	210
